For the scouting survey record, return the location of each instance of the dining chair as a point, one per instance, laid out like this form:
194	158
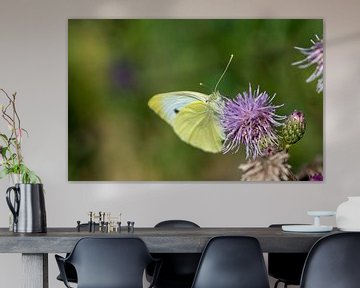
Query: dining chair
285	267
232	262
70	271
178	269
108	263
333	262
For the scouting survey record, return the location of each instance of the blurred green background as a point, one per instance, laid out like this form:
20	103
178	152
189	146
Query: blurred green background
115	66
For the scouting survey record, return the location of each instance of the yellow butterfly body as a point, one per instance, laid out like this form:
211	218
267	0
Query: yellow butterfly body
195	117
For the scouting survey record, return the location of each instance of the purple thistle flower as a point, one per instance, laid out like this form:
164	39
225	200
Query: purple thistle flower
316	177
314	56
248	120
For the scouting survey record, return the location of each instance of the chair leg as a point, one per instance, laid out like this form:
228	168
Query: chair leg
279	281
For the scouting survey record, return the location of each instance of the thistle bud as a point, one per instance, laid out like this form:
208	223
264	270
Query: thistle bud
294	128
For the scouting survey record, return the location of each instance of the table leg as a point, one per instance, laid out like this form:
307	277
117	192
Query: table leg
35	270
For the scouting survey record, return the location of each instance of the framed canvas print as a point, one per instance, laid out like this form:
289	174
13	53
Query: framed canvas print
195	99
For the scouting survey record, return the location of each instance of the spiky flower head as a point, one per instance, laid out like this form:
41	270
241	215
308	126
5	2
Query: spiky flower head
314	56
270	168
294	128
247	120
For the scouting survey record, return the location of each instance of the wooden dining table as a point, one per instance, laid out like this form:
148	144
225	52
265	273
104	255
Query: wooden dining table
35	247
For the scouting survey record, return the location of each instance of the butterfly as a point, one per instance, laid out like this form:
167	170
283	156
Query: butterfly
194	116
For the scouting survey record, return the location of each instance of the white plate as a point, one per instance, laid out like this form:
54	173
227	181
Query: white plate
350	229
321	213
306	228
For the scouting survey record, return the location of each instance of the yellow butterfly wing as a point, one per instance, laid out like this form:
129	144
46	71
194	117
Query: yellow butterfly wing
168	105
199	125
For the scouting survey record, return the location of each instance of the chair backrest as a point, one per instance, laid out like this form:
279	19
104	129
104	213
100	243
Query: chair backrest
286	267
333	262
110	262
178	269
176	224
232	262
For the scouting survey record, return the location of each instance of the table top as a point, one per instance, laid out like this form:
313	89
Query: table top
158	240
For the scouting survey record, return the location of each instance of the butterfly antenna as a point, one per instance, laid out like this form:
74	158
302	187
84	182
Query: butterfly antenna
222	75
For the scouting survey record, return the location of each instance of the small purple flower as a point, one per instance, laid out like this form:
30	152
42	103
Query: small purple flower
316	177
314	56
249	119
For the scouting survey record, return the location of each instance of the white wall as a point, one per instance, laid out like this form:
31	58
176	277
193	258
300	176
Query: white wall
33	62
